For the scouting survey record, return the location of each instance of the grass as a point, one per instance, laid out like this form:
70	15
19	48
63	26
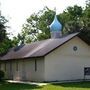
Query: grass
62	86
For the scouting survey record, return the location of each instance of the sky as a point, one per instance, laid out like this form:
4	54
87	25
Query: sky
17	11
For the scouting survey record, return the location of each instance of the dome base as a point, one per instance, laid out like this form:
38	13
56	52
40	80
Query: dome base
56	34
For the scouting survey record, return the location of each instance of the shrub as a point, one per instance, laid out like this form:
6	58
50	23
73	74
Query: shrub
1	75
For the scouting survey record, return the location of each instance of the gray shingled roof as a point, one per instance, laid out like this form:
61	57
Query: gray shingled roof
36	49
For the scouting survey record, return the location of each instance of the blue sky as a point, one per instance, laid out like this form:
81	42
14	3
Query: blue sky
16	11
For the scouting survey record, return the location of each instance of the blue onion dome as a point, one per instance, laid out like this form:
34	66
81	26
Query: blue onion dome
55	25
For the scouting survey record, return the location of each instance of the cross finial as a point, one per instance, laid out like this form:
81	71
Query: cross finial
55	10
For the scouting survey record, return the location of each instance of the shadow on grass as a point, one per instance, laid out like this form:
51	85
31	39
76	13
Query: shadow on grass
17	86
74	84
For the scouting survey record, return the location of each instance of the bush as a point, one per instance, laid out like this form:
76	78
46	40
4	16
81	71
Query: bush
1	75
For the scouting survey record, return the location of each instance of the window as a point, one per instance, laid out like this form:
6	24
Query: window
87	71
10	66
16	65
23	66
5	67
35	65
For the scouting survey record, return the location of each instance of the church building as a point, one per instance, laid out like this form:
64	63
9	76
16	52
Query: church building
60	58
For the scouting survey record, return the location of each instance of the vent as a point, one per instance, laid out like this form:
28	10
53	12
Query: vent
18	47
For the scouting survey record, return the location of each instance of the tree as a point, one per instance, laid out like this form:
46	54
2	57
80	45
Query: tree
2	74
5	42
2	28
37	25
85	33
73	19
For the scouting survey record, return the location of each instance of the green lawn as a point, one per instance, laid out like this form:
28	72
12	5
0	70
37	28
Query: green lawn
63	86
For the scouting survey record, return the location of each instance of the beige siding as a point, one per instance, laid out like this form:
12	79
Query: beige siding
27	70
24	69
66	64
33	75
